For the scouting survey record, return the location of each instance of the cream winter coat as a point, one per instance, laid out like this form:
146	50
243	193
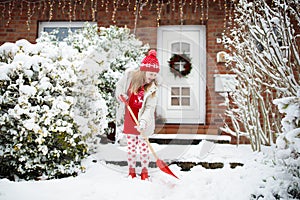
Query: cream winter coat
148	107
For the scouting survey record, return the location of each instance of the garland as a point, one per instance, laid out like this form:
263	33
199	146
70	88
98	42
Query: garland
180	58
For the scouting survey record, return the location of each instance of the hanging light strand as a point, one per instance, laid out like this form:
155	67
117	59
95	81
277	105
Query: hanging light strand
158	9
151	5
106	6
9	12
21	8
226	14
50	10
28	16
70	8
230	17
136	13
181	5
74	10
173	5
115	8
94	10
202	11
128	5
44	8
207	8
220	4
141	7
83	5
30	12
196	6
63	6
3	10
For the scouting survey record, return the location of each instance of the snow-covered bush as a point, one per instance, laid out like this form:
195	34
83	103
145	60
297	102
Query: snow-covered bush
285	184
49	110
287	152
53	98
122	50
90	108
264	48
8	50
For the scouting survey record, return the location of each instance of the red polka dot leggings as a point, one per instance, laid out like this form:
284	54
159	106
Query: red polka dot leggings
136	144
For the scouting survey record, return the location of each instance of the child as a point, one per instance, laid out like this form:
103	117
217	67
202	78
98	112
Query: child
139	88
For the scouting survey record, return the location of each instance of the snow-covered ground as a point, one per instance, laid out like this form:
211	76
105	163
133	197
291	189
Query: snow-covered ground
110	182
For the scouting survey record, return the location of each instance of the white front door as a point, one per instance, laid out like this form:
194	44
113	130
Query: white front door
182	99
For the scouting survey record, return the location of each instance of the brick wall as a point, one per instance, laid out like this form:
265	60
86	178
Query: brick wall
146	30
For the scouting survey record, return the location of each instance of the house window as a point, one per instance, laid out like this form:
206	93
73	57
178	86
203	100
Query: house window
63	28
180	96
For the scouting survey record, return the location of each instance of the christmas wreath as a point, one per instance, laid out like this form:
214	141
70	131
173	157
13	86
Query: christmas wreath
175	65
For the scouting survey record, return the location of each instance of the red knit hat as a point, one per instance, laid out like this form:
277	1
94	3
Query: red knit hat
150	62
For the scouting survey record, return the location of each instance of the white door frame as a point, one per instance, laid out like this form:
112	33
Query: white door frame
202	70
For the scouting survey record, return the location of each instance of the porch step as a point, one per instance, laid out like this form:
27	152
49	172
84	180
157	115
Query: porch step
186	129
188	139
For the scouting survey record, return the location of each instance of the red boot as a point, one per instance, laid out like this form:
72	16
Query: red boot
144	174
132	172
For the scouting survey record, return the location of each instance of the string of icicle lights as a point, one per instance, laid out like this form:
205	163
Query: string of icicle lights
135	7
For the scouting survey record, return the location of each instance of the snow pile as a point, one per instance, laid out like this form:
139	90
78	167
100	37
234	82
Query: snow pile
43	131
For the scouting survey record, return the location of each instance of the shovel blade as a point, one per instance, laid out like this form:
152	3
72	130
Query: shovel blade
164	167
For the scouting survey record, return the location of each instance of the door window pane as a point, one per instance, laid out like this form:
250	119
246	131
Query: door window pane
175	91
175	101
180	96
185	48
175	47
185	91
185	101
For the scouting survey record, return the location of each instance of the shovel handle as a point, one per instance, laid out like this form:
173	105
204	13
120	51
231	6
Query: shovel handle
123	99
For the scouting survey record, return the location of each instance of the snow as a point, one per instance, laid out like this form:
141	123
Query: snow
104	180
109	182
27	90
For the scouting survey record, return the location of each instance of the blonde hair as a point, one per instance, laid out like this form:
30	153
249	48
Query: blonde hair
138	79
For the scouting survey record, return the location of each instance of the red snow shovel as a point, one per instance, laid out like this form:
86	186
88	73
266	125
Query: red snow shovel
161	164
